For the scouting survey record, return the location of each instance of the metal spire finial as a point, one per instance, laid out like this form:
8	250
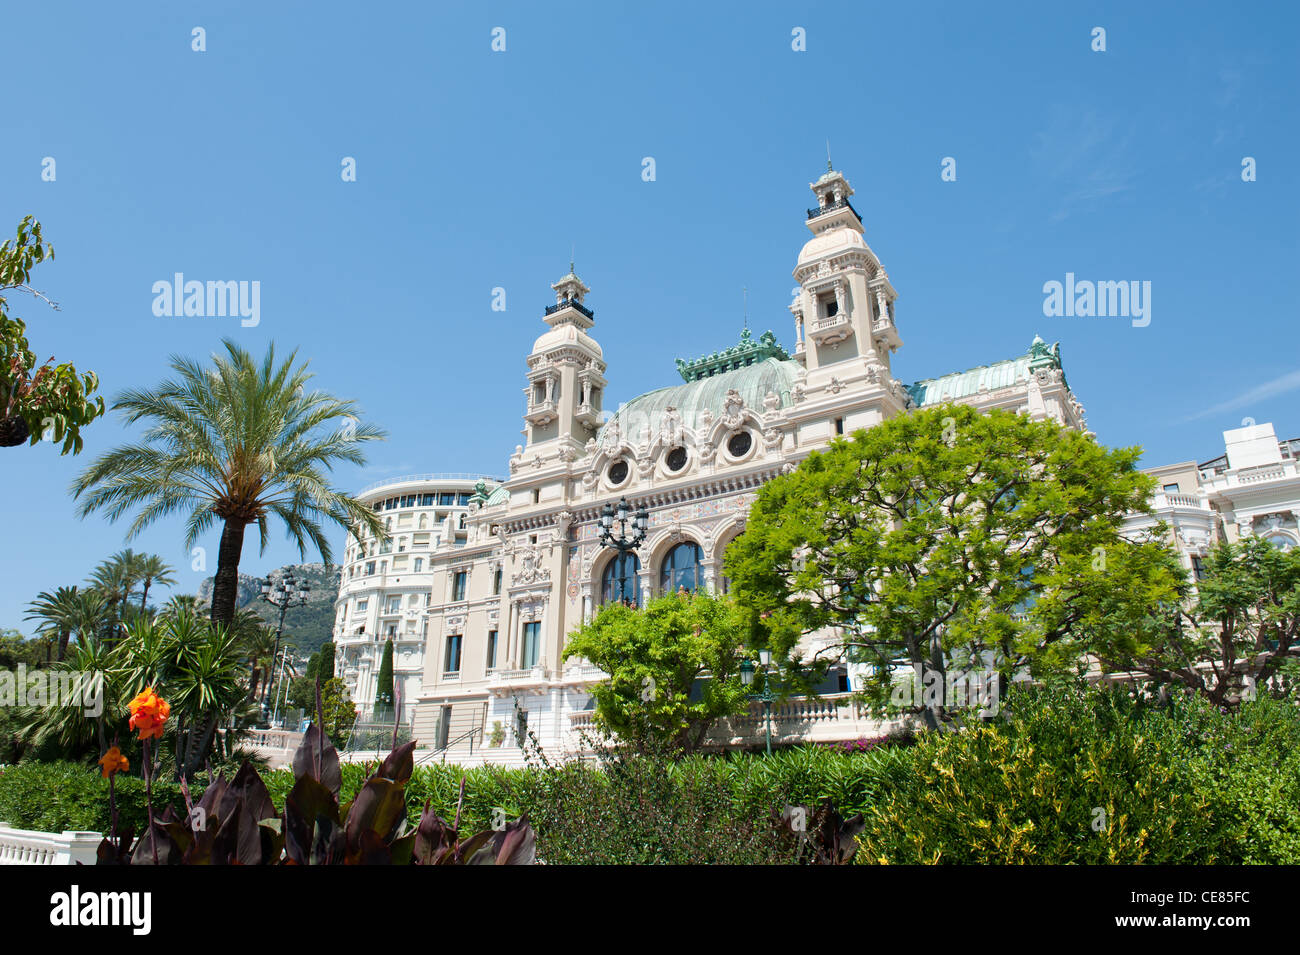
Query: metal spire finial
829	167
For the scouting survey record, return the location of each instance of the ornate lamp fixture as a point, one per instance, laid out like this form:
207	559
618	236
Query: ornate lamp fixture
283	593
623	542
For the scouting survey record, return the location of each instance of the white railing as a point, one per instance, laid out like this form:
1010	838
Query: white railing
25	847
1165	499
274	739
537	674
431	478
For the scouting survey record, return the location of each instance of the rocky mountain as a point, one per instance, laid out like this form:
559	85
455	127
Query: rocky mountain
306	627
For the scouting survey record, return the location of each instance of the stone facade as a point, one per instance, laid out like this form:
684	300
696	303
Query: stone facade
496	602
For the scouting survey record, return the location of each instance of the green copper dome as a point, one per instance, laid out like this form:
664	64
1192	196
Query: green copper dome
753	382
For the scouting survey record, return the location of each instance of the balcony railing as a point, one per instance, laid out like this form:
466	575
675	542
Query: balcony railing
532	676
570	303
430	479
831	207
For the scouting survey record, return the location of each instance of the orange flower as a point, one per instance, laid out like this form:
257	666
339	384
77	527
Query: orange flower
113	762
149	712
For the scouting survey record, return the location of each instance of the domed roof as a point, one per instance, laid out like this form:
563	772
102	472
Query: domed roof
830	242
563	335
753	382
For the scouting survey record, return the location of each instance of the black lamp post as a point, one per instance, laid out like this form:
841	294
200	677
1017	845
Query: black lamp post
747	678
623	543
283	593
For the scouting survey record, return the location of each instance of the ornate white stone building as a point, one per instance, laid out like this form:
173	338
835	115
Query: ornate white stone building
489	611
1253	488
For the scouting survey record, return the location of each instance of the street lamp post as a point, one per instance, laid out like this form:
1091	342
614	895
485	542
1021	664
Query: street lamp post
747	678
284	662
623	542
283	593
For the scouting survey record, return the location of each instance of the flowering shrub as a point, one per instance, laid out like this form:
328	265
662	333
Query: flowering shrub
236	823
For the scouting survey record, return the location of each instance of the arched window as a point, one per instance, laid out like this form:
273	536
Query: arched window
682	568
1281	541
620	581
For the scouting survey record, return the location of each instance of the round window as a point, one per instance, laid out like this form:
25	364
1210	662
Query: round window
676	459
738	444
617	473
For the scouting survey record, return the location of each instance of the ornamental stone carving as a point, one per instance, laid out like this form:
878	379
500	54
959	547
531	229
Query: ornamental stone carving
670	427
612	439
734	410
532	569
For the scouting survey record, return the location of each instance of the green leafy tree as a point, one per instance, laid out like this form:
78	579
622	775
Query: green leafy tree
384	688
338	711
16	648
654	657
239	442
37	399
1227	640
932	539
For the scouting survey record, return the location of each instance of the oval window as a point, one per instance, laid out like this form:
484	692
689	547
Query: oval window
676	459
738	444
617	473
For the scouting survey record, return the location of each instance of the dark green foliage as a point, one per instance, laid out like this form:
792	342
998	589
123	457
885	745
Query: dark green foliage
53	797
16	649
1098	776
1179	782
324	662
384	687
236	822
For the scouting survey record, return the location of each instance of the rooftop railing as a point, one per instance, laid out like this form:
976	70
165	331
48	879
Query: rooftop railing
430	479
570	303
831	207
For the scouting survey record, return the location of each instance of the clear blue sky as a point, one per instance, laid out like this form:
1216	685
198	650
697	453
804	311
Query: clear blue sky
479	169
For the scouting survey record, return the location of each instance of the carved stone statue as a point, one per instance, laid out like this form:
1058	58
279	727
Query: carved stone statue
670	427
734	408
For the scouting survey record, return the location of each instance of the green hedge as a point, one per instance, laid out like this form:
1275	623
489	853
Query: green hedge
1069	776
1064	775
53	797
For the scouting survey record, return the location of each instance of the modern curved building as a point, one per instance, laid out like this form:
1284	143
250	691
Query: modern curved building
385	587
490	609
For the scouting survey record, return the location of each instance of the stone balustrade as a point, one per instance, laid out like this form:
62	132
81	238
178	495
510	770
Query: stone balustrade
27	847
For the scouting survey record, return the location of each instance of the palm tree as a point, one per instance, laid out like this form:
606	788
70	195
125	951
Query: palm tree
237	442
116	579
91	617
56	613
181	603
152	569
259	647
